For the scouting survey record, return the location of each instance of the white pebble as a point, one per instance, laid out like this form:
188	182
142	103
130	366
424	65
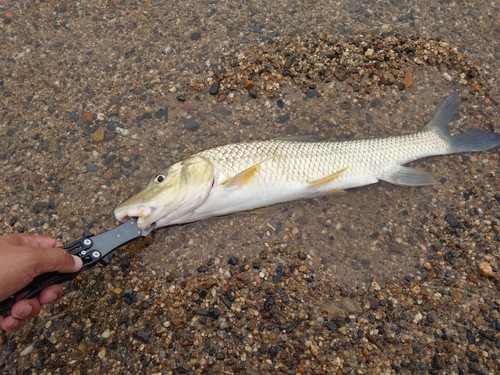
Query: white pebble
106	333
122	131
418	317
26	350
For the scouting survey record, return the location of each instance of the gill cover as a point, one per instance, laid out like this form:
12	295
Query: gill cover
171	194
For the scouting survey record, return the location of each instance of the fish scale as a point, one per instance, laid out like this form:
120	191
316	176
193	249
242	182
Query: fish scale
245	176
294	161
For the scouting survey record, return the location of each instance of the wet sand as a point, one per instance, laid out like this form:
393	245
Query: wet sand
98	96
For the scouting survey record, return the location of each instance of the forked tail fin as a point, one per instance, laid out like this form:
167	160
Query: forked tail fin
471	141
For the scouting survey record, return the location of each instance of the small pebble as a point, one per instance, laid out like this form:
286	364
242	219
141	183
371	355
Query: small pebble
214	89
142	335
102	353
252	93
341	73
98	135
408	79
248	84
388	79
87	117
106	333
191	124
485	269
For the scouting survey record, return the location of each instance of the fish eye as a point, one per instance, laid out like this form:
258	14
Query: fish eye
160	177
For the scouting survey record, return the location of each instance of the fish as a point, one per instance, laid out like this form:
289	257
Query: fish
249	175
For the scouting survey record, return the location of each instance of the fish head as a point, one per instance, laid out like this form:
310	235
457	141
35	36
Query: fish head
172	194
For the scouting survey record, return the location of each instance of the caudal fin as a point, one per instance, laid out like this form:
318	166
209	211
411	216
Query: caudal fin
471	141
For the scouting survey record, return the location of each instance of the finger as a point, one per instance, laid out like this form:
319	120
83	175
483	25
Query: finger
55	259
11	324
39	241
50	294
26	309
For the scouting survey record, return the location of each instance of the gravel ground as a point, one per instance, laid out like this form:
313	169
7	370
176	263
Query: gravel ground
99	95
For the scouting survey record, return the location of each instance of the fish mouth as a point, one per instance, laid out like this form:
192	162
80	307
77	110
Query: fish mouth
144	214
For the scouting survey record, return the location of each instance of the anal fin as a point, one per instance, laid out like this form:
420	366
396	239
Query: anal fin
408	177
336	191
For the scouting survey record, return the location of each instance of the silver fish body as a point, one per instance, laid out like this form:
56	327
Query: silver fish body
244	176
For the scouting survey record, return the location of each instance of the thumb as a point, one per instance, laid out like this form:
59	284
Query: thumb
56	259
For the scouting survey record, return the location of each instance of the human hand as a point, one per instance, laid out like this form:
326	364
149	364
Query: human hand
22	258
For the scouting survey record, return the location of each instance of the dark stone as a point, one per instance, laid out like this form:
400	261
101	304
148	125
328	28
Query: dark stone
284	118
279	274
201	312
142	335
230	295
471	73
92	168
252	93
311	94
220	356
452	220
202	269
226	301
214	312
471	336
332	327
191	125
195	36
273	352
280	103
341	73
124	263
160	113
233	261
214	89
39	207
488	335
268	305
79	336
289	62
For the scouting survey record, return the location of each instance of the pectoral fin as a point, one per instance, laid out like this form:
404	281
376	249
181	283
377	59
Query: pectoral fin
408	177
242	178
326	180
